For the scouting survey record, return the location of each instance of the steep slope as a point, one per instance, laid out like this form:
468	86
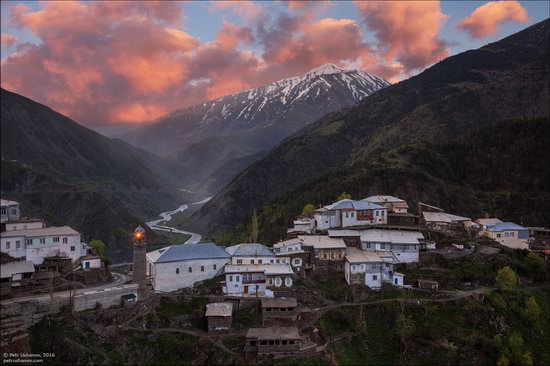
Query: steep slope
496	169
129	184
205	137
501	81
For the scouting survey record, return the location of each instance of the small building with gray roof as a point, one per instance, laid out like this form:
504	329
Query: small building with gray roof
181	266
273	341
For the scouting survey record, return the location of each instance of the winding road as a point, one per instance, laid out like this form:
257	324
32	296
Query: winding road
167	216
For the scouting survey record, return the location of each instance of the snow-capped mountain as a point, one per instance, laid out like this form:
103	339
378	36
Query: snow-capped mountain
204	137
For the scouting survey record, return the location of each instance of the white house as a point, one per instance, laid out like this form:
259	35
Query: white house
253	253
508	234
15	272
90	262
36	244
404	245
304	225
370	268
180	266
25	223
9	211
393	204
346	213
257	279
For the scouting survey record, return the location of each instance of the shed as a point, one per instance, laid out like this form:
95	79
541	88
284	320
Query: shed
219	316
427	285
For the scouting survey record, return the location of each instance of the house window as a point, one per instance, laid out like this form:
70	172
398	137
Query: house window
17	244
395	281
72	248
24	227
325	256
347	214
498	235
278	261
29	241
374	277
353	267
230	278
237	278
377	213
252	261
382	213
214	267
177	271
42	240
239	261
352	214
4	212
7	245
202	268
505	235
271	261
368	245
511	235
56	239
259	261
65	240
190	270
382	246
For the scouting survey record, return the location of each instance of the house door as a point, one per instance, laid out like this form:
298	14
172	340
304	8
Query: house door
86	264
246	289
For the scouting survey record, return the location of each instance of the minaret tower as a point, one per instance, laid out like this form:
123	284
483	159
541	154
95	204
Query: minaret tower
139	265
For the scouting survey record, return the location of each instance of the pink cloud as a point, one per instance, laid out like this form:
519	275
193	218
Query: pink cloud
246	9
485	20
7	40
406	31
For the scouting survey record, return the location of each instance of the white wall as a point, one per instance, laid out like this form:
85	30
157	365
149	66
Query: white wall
13	250
379	217
249	259
509	239
378	247
397	280
406	257
93	263
73	248
371	281
12	226
325	221
234	285
165	278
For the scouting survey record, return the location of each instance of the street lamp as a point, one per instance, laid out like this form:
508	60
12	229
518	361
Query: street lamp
139	233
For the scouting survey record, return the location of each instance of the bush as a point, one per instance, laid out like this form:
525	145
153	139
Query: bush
506	278
535	266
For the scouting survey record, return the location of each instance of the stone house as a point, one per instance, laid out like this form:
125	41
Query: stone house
279	309
272	341
219	316
323	252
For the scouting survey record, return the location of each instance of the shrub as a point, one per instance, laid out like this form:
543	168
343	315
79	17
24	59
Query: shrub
506	278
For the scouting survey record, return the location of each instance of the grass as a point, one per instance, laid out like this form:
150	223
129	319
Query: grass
234	343
333	287
338	321
248	317
173	238
316	360
193	309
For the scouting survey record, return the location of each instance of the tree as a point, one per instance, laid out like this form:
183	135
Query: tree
343	196
515	345
506	278
526	359
254	233
308	209
535	265
532	309
99	247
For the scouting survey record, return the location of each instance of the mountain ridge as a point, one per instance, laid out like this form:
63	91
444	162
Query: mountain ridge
501	81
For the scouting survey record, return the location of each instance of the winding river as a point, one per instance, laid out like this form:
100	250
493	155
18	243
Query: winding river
167	216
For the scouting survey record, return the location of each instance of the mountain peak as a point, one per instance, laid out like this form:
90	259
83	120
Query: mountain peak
326	69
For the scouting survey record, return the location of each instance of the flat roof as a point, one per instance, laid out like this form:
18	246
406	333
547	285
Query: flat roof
322	242
219	309
279	302
48	231
4	202
268	269
291	333
9	269
288	242
355	255
249	249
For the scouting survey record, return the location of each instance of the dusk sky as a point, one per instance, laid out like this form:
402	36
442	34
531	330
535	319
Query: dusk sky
131	62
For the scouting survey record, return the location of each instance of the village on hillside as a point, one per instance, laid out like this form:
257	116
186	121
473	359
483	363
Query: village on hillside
370	246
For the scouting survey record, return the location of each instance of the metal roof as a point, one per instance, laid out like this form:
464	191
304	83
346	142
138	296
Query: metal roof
273	333
5	203
456	218
504	226
250	249
354	205
9	269
383	199
354	255
48	231
321	242
185	252
219	309
391	236
436	217
286	243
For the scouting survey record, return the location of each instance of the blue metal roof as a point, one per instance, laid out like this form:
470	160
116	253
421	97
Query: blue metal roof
250	249
184	252
503	226
354	205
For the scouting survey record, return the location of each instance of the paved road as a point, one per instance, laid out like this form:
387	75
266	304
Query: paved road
167	216
118	280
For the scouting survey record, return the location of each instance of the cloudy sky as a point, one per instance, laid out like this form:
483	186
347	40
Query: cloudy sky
131	62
